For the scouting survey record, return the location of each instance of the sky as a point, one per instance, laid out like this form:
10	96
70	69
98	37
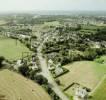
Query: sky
68	5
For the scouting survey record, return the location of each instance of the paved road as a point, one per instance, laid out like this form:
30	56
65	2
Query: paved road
48	75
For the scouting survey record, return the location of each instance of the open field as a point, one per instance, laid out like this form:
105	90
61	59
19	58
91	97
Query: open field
2	22
85	73
100	93
10	49
15	87
92	27
53	23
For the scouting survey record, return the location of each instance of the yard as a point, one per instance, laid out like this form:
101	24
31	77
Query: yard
11	49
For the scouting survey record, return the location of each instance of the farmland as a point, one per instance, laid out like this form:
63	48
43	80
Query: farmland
19	88
64	54
85	73
10	50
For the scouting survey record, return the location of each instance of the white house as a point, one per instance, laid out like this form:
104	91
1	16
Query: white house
51	65
81	94
58	70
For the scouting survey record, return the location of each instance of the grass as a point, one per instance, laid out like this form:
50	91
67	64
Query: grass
15	87
10	50
100	93
92	27
53	23
2	22
85	73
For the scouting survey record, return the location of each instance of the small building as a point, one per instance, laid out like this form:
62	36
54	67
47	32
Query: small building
81	94
21	36
50	62
18	64
33	66
51	65
58	69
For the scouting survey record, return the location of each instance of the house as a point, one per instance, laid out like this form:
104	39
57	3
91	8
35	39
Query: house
33	65
58	70
18	64
51	65
50	62
81	94
21	36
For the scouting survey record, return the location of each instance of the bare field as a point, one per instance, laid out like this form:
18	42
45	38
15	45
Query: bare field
85	73
15	87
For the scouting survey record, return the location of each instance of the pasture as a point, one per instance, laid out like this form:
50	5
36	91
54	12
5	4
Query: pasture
12	49
15	87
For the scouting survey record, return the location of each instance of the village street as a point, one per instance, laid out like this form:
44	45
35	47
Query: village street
46	73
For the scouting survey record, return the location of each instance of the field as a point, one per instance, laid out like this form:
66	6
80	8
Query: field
54	23
10	50
100	93
85	73
2	22
15	87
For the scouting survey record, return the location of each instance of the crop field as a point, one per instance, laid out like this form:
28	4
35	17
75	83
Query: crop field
85	73
100	93
15	87
10	49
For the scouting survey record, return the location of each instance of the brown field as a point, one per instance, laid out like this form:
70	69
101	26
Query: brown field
85	73
80	72
15	87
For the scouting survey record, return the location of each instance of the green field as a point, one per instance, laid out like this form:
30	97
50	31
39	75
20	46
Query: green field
10	49
15	87
54	23
85	73
100	93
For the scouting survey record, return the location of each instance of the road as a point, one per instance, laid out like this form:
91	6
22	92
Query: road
46	73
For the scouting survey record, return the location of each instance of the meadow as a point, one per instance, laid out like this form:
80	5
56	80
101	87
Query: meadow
12	49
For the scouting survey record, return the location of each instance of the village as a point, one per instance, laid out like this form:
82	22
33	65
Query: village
52	46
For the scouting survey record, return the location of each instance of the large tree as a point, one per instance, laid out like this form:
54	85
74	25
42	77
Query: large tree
1	61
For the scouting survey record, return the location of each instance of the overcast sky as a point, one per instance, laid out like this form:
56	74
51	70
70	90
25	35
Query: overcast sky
32	5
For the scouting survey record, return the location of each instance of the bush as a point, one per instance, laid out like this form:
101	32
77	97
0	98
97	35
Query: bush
24	70
90	54
41	79
1	60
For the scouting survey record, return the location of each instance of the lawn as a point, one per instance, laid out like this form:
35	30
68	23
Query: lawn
85	73
100	93
10	50
15	87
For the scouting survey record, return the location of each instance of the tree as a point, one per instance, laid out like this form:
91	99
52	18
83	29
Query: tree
41	79
24	70
1	60
90	54
58	81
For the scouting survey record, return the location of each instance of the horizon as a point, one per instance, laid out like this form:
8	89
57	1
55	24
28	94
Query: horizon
51	5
